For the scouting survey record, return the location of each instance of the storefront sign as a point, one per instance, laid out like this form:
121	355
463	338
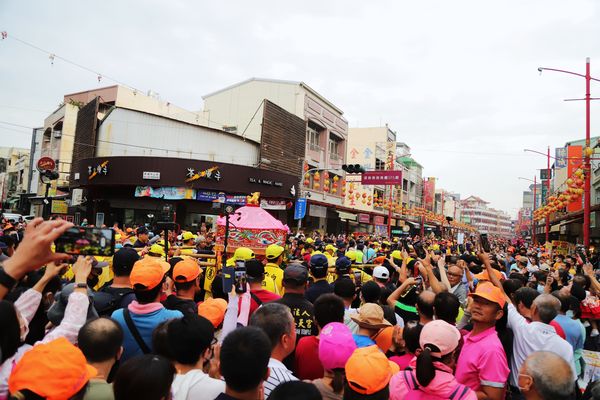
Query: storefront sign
378	220
267	204
381	178
100	169
46	164
317	211
166	193
380	230
561	158
210	173
428	193
364	218
545	174
560	247
268	182
300	208
59	207
220	197
151	175
76	197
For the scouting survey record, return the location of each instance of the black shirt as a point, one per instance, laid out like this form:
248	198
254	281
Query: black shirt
317	289
186	306
303	313
139	244
224	396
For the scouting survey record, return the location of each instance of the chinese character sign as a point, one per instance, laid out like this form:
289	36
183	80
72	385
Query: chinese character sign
382	178
428	193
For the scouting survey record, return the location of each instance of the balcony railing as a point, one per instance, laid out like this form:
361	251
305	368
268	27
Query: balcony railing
314	152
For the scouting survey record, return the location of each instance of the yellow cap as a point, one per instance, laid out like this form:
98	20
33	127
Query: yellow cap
243	254
157	249
187	236
273	251
330	247
397	254
310	240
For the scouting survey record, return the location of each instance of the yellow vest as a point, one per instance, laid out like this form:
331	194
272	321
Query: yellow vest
269	284
276	274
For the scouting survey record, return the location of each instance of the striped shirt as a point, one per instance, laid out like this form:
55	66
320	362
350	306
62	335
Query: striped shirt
278	374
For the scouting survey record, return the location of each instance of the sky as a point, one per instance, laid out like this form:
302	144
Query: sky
457	80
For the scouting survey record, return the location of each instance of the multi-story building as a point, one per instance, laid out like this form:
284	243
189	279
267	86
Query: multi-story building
123	155
14	176
447	204
412	184
316	155
485	219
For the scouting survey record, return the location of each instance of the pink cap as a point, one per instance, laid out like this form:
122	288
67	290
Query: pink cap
336	345
440	334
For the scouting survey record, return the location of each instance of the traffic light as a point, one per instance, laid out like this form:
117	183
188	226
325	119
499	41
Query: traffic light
353	168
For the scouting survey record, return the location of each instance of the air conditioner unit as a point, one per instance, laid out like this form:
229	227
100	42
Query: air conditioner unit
57	134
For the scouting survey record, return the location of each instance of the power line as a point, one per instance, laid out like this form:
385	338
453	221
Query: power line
52	56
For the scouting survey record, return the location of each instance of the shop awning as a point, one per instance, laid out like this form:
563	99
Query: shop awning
346	216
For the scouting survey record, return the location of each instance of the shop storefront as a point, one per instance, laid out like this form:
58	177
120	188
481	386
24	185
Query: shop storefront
133	190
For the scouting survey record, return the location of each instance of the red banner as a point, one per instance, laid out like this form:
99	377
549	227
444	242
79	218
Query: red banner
574	162
381	178
428	193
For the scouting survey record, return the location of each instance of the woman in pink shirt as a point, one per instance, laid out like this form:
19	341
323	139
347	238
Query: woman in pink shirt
430	375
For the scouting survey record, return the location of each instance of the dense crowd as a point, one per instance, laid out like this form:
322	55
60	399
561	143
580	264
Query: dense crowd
321	317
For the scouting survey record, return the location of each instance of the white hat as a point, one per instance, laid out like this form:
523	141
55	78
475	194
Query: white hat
381	272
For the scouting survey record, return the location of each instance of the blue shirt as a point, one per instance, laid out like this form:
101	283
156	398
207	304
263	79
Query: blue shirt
145	323
363	341
572	329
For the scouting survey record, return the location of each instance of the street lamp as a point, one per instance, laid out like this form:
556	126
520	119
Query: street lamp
587	169
533	233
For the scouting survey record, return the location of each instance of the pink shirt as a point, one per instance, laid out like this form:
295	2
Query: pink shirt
443	385
482	361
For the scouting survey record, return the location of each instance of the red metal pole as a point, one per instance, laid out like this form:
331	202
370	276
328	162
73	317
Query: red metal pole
389	222
533	212
547	195
587	169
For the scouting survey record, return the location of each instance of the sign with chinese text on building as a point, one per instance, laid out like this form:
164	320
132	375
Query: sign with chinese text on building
379	220
545	174
429	193
574	162
381	178
561	158
364	218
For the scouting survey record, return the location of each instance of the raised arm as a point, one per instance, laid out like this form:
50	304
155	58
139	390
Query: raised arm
393	298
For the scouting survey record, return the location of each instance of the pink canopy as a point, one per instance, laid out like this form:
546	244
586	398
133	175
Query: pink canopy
253	217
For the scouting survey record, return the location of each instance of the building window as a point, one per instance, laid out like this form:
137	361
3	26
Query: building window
313	135
334	147
379	165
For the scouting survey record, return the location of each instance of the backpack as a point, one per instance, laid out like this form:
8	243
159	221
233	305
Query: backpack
459	392
106	302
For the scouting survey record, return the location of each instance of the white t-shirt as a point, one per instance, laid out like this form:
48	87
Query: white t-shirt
534	336
196	385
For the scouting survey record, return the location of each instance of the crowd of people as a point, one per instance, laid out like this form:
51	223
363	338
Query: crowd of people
320	317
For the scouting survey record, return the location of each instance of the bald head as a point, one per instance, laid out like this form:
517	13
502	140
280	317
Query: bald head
546	308
425	304
552	376
100	340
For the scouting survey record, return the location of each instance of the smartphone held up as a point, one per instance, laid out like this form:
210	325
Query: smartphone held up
87	241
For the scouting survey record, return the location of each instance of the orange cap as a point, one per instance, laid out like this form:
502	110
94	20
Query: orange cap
384	338
484	276
55	370
213	310
148	272
186	270
489	292
368	370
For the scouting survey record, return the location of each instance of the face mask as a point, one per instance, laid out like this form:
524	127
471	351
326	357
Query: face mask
540	288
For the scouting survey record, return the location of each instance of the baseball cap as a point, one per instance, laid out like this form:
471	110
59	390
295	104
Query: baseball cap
484	276
255	269
336	345
213	310
55	370
330	247
489	292
56	312
148	273
273	251
440	334
368	370
310	240
142	230
397	255
381	272
186	270
295	273
370	316
318	262
157	249
342	265
243	254
187	236
384	338
125	258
